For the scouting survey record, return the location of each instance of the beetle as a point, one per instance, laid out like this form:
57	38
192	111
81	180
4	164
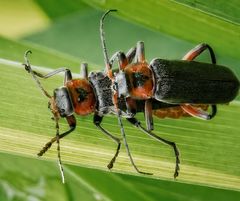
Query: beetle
133	88
184	82
94	94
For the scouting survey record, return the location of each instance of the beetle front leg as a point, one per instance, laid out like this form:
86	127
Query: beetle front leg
137	123
191	55
97	119
72	125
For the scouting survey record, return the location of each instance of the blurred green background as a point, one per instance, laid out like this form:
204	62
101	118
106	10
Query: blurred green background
66	33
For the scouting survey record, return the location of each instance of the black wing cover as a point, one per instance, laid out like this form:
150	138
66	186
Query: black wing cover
193	82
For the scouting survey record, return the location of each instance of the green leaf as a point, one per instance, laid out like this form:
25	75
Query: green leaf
209	150
227	11
24	179
181	21
201	143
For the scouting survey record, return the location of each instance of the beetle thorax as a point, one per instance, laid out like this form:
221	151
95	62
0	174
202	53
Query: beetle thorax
139	80
82	96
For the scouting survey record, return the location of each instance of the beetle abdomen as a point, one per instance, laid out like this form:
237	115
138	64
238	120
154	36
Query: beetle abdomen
193	82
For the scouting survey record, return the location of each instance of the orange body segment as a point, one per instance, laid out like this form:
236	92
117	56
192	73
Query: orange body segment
140	80
176	112
82	95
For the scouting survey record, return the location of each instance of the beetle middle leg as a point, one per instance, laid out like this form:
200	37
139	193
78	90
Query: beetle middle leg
97	119
137	123
127	147
191	55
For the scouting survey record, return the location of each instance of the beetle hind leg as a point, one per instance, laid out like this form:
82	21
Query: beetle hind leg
191	55
199	113
199	49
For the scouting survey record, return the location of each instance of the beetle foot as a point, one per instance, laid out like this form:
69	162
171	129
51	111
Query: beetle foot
45	148
177	167
110	165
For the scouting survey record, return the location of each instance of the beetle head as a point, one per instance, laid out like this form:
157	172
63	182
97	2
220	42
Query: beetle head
61	104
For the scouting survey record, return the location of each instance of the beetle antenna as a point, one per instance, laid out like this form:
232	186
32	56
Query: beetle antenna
58	150
29	69
102	36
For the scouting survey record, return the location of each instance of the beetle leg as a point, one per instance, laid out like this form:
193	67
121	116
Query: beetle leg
140	57
199	113
60	70
72	125
137	123
131	54
34	74
97	121
121	58
140	53
148	114
84	70
196	51
126	145
67	76
191	55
